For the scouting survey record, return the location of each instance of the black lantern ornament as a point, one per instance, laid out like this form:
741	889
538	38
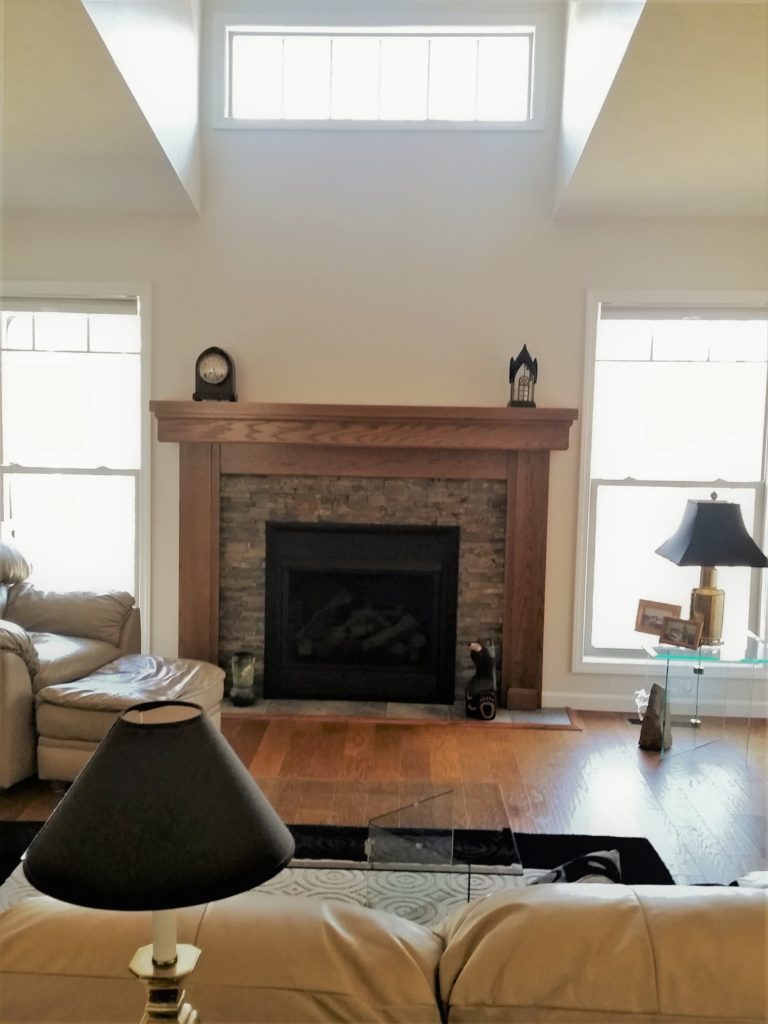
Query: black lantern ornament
522	387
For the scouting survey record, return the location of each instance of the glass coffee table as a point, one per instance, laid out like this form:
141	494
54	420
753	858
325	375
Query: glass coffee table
419	859
416	857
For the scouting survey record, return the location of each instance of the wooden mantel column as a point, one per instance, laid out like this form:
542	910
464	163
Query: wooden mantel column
217	438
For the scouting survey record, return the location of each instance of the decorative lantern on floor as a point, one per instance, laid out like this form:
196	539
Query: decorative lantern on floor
523	374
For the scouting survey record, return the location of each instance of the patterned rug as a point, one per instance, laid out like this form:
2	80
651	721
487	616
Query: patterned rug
422	896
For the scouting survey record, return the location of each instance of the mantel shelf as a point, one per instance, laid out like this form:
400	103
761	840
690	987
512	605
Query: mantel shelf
471	427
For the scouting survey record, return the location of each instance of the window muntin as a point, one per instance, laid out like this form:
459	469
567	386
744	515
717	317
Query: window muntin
450	75
70	419
678	410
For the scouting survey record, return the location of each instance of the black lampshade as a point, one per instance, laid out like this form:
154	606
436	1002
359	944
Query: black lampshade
712	533
163	815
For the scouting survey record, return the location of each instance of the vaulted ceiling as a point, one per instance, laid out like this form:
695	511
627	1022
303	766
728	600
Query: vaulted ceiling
681	130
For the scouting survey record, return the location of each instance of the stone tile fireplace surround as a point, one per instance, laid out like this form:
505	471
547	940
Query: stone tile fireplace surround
485	470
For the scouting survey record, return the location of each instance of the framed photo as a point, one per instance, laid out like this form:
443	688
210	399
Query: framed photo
651	616
682	632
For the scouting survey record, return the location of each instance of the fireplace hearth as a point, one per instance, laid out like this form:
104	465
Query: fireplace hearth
360	612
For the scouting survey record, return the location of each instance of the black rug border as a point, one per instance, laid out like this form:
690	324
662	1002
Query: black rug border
640	863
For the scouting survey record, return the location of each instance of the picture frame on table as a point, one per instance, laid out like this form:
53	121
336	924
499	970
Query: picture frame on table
651	615
682	632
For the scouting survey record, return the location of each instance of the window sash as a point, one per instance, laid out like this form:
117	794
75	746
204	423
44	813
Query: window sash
722	487
48	577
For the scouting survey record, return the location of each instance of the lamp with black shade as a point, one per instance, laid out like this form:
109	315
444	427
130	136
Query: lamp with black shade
711	533
162	816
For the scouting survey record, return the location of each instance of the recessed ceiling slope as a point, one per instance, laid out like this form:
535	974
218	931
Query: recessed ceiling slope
683	131
73	137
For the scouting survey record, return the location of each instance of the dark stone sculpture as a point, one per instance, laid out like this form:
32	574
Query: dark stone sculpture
480	695
655	731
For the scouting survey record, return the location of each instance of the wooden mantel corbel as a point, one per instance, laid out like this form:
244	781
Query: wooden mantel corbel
511	444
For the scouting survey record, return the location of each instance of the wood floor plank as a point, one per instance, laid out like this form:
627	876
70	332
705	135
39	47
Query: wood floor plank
269	756
387	744
358	755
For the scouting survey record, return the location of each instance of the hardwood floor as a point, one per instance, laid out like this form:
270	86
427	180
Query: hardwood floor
704	809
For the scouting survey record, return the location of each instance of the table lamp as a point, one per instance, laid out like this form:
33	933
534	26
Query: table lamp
163	815
711	533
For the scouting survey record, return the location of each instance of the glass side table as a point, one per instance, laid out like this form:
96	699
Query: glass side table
711	692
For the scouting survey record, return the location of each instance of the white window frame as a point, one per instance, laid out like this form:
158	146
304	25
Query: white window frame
720	300
406	15
141	292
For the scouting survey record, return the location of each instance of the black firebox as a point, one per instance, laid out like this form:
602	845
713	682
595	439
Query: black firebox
361	612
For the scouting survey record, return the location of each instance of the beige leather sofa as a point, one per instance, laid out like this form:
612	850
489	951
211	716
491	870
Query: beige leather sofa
69	664
592	954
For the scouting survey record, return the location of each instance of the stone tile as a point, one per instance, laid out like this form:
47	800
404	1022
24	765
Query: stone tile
426	711
357	708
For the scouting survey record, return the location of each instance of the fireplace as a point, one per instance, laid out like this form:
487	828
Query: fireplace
360	612
511	446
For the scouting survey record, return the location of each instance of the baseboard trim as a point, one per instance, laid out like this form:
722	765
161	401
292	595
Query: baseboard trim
624	702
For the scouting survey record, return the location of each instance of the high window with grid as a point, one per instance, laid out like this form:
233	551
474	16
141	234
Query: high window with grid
357	75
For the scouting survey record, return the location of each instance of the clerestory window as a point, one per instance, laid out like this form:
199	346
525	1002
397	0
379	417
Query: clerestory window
438	75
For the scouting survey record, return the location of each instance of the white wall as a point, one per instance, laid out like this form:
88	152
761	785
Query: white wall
383	268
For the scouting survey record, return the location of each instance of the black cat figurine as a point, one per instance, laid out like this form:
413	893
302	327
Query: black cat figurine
480	695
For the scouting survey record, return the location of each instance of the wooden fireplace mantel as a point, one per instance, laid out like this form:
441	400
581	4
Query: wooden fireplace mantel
512	444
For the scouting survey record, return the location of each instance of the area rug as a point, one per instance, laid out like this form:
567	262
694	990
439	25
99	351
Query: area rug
640	863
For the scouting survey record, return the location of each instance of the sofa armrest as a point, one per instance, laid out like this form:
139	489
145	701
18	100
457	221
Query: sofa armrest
17	723
130	636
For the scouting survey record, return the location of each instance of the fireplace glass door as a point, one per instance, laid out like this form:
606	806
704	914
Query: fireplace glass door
360	612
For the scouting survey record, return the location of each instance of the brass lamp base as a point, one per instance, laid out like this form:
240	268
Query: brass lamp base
707	604
165	995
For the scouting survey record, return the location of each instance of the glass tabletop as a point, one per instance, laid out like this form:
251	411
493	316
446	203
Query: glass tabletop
752	650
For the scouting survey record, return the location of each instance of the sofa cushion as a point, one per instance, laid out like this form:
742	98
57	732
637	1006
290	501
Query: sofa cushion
135	678
64	658
14	638
616	953
14	568
265	958
74	613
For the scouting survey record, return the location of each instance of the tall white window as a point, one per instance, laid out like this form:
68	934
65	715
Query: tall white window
70	430
441	74
678	411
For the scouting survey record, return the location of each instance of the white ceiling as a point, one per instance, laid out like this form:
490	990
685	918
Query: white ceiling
683	130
